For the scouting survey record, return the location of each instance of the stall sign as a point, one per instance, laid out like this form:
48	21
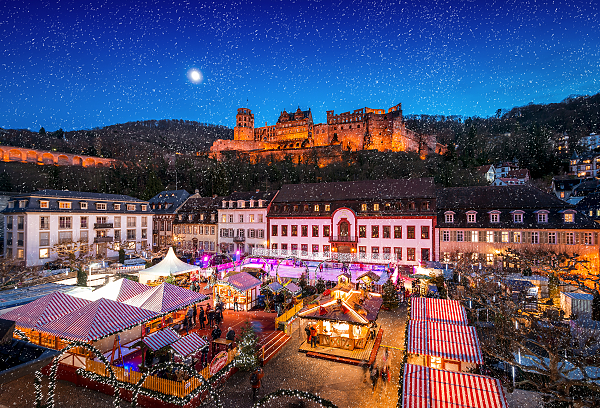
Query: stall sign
218	362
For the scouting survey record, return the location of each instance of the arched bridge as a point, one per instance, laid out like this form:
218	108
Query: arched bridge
25	155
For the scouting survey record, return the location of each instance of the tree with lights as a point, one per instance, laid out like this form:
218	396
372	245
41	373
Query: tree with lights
247	358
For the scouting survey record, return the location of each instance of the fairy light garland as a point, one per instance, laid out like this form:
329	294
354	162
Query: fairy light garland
404	359
294	393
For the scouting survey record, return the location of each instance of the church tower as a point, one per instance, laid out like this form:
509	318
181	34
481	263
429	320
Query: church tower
244	125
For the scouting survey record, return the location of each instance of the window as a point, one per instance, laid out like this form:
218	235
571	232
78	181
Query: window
569	217
20	253
489	258
570	238
294	249
44	253
117	207
474	236
294	231
362	252
362	231
398	253
374	252
100	206
64	205
517	237
490	236
65	236
449	218
224	218
542	217
44	239
460	236
304	230
117	222
315	248
241	218
251	233
376	207
518	218
505	237
260	218
494	217
274	230
284	230
9	222
446	236
410	254
326	230
327	207
587	238
274	246
130	235
212	231
326	249
64	222
251	218
44	223
363	207
131	222
83	205
471	217
552	237
410	232
425	206
424	232
387	232
316	208
535	237
144	207
21	222
397	232
425	254
375	231
231	218
315	231
44	204
83	221
144	222
83	236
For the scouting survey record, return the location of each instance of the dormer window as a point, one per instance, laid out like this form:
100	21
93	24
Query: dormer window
180	217
100	206
22	203
130	207
144	207
471	217
64	205
190	216
224	204
240	203
494	217
44	204
376	207
261	203
517	217
425	206
327	207
449	217
201	217
542	217
251	203
316	208
11	204
363	207
117	207
569	216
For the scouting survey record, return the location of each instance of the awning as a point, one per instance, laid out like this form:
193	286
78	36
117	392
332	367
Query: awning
425	387
161	338
449	341
119	290
166	298
242	281
189	344
274	287
438	310
44	310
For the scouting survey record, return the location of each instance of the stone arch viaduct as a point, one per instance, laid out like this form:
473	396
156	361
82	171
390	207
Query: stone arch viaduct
41	157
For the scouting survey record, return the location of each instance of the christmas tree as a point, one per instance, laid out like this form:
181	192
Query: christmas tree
247	356
390	297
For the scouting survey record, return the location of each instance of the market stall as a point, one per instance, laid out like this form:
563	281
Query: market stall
169	266
119	290
241	287
345	319
438	310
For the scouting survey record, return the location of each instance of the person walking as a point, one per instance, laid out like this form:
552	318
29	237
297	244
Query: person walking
313	336
374	375
215	334
230	336
307	331
210	314
255	382
236	306
194	313
201	317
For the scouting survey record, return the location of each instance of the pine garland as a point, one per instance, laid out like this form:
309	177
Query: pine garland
294	393
37	385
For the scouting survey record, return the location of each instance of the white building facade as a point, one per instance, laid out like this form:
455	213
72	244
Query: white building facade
243	221
97	224
366	221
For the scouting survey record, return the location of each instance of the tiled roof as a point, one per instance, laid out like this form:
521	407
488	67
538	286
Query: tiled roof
82	195
169	201
242	281
497	197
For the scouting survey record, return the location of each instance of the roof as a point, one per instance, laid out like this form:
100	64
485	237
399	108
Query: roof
166	298
274	287
242	281
572	295
169	201
45	309
450	341
518	197
292	288
189	344
80	195
170	265
357	190
119	290
344	311
518	173
484	169
425	387
438	310
251	195
97	320
20	296
161	338
196	203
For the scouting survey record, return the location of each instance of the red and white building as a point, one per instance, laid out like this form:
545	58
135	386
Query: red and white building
374	221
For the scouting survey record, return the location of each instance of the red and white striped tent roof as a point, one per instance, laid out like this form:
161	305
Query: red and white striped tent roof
189	344
161	338
166	298
450	341
425	387
96	320
44	310
119	290
438	310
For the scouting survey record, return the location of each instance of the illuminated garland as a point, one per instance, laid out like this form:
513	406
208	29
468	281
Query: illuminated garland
404	359
37	385
294	393
22	336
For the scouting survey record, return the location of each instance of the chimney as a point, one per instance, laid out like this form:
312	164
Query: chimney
196	191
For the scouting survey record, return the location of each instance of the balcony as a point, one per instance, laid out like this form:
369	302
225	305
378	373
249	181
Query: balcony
343	238
239	239
99	240
103	225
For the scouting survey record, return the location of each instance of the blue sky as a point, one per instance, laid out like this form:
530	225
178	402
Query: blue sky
78	65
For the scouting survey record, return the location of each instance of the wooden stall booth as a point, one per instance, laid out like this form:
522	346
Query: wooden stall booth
240	287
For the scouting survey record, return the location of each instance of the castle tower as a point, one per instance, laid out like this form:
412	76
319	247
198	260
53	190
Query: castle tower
244	125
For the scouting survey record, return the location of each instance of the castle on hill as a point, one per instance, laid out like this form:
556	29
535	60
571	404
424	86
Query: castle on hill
362	129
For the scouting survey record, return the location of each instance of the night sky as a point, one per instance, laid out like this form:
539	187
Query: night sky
78	65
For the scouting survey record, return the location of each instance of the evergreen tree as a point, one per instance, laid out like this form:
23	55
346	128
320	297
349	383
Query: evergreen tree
247	356
320	285
390	298
81	277
596	306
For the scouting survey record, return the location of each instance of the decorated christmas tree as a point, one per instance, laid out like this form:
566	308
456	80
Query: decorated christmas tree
390	297
247	356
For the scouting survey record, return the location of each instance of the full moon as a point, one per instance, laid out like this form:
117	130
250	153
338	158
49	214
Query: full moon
195	76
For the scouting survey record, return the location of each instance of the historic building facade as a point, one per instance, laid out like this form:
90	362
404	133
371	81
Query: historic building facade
195	225
361	129
366	221
164	206
93	224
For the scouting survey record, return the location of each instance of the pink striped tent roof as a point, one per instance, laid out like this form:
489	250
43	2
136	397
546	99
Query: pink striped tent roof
119	290
44	310
426	387
189	344
161	338
96	320
166	298
438	310
450	341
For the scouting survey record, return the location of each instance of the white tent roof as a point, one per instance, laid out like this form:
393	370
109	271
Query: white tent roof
170	265
119	290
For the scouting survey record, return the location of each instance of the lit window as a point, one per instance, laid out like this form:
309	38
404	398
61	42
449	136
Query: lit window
375	207
517	237
327	207
130	207
100	206
144	207
569	217
44	204
224	218
505	236
316	208
489	259
474	236
117	206
494	217
44	253
490	236
363	207
64	205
